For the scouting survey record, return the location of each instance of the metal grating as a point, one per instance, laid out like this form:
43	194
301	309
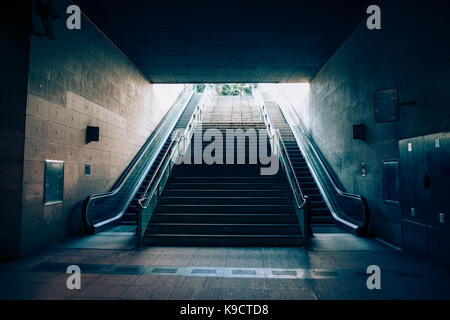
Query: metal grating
127	269
164	270
204	271
343	242
284	273
228	272
243	272
326	273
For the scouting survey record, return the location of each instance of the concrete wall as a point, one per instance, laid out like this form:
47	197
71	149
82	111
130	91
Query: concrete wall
164	95
76	80
410	53
14	35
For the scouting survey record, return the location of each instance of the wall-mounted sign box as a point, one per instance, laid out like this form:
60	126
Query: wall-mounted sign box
391	182
53	181
386	105
87	169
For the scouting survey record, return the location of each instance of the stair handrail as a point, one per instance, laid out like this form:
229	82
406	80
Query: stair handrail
170	148
154	186
360	228
277	143
306	205
176	139
291	166
183	97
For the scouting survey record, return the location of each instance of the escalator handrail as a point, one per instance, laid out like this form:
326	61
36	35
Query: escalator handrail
291	167
156	185
305	204
300	193
146	198
176	140
129	168
274	134
187	90
362	226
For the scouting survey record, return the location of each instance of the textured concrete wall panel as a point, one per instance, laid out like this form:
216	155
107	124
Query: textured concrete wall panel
79	79
408	54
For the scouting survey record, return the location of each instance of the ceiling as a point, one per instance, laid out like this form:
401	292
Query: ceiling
178	41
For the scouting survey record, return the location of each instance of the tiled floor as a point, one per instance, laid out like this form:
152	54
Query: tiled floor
335	268
119	237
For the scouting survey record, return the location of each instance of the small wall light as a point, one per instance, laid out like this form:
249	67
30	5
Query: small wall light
363	169
92	134
359	132
87	169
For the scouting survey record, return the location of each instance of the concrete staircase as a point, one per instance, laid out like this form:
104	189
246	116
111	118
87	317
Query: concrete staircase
225	204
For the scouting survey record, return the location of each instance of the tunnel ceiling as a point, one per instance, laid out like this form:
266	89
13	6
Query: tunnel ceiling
226	41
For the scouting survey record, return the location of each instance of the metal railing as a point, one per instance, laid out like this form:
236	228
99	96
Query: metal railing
302	202
177	149
351	211
101	209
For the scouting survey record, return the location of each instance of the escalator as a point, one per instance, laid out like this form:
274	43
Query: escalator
199	204
331	207
104	210
321	218
130	215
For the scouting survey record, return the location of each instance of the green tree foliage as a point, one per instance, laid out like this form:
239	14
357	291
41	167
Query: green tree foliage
234	89
201	87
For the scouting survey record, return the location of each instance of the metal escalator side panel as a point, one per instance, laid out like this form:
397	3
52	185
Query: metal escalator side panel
150	197
299	133
101	210
187	113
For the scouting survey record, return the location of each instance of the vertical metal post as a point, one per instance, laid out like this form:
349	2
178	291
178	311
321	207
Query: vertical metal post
307	222
139	227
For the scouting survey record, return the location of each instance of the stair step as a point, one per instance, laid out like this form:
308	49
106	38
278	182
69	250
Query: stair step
310	191
318	221
224	192
227	179
223	208
223	229
225	218
264	200
223	240
212	186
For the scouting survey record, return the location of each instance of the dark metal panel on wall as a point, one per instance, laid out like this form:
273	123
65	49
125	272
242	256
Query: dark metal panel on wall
425	203
437	164
53	181
386	105
413	197
412	172
391	182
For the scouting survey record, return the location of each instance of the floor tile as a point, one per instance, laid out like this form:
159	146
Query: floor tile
291	294
242	294
147	292
194	293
